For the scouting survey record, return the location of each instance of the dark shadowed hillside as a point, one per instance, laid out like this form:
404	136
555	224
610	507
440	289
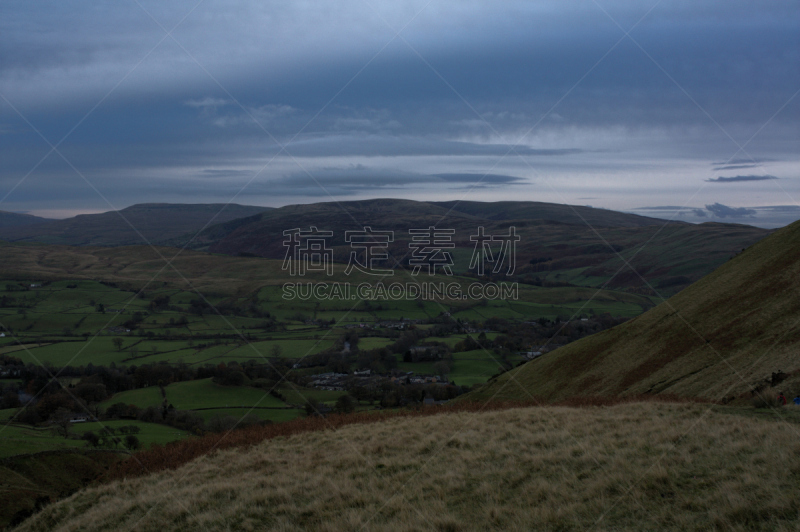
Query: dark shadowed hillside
29	482
15	219
155	222
721	338
556	248
536	210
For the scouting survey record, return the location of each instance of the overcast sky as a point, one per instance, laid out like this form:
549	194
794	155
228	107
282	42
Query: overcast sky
682	108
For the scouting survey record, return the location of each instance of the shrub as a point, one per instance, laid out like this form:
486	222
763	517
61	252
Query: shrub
765	400
132	442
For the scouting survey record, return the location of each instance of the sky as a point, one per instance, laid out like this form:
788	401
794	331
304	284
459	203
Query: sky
676	109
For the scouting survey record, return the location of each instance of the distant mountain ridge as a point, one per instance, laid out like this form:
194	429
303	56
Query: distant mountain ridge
16	219
733	332
560	245
256	234
571	214
152	222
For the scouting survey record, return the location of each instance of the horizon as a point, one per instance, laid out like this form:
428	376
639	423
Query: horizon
766	217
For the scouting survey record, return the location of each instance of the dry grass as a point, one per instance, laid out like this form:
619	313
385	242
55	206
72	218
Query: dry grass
634	466
718	338
177	453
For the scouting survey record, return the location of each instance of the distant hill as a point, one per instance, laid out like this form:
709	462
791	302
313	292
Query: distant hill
535	210
155	222
561	245
398	214
15	219
721	338
557	247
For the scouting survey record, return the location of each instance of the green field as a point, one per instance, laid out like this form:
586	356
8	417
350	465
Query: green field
473	367
273	415
17	439
192	395
143	397
125	317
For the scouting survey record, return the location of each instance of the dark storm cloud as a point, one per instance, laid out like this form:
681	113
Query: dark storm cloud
374	145
781	208
359	178
735	167
769	216
661	208
741	178
723	211
744	161
485	179
216	173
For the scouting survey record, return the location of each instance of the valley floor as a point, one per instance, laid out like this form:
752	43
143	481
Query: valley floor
636	466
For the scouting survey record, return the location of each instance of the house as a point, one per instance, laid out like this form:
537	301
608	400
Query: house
79	419
429	401
420	353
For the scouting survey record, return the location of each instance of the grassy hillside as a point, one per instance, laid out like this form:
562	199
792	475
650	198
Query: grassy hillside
557	246
29	482
155	222
628	467
15	219
536	210
721	338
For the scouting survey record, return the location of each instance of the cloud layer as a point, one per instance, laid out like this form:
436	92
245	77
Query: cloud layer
741	178
266	101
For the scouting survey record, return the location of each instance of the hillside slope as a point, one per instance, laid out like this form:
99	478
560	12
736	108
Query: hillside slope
29	481
639	466
156	222
555	212
15	219
556	246
718	339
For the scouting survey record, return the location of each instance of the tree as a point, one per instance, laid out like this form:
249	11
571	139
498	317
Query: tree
311	408
117	343
91	438
10	400
132	442
61	421
345	404
441	368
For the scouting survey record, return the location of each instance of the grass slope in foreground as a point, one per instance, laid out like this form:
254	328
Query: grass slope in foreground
634	466
719	339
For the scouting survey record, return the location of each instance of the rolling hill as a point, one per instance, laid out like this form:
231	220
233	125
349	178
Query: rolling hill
719	339
556	248
561	245
15	219
155	222
638	466
554	212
